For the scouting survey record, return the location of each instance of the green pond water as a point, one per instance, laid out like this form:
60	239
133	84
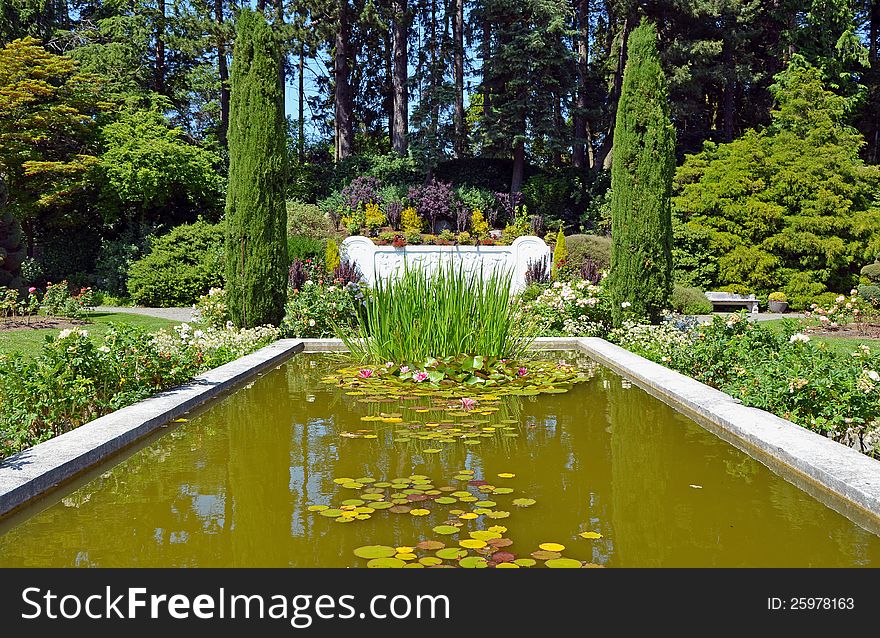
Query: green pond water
232	486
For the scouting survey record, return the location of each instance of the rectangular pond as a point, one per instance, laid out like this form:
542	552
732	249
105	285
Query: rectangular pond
288	472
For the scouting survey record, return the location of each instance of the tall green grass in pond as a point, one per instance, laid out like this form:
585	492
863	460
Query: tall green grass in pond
445	314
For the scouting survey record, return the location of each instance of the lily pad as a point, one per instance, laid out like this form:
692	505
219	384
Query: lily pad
500	542
353	501
399	509
484	535
445	530
498	514
552	547
503	557
525	562
430	545
568	563
318	508
451	553
382	563
473	562
506	475
472	543
506	566
469	516
485	504
590	535
381	505
405	556
331	513
445	500
375	551
430	561
497	528
543	554
524	502
420	512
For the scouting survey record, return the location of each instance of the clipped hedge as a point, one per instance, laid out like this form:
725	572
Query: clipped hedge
690	301
594	247
179	266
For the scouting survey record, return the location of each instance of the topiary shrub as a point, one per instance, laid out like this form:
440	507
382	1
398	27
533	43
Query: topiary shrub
179	266
595	248
690	301
871	271
331	256
560	251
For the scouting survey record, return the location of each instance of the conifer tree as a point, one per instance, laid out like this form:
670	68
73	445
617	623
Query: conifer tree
256	217
643	164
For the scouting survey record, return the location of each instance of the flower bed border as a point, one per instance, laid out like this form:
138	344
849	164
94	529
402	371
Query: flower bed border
38	470
838	476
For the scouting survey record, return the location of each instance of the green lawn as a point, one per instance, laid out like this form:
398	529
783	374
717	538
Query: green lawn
29	342
844	345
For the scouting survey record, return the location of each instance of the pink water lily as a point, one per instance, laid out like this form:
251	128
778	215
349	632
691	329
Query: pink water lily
420	376
468	404
522	372
404	369
365	373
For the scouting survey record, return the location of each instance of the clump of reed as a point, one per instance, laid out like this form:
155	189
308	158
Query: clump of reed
418	316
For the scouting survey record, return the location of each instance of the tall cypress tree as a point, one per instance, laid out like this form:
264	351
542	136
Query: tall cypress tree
643	164
256	217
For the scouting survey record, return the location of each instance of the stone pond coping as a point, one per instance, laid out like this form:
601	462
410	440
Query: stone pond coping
838	476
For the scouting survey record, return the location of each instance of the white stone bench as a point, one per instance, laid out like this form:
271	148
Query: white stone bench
730	299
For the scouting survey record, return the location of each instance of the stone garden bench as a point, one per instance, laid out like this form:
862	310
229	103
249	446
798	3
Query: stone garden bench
730	299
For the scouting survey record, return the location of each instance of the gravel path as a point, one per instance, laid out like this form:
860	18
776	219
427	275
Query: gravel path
174	314
761	316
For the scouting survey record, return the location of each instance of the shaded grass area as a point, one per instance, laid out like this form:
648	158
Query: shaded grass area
30	342
840	345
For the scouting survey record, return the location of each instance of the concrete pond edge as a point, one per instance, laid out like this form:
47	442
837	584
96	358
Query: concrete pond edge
840	477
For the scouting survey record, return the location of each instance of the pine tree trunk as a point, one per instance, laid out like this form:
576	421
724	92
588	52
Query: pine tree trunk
160	48
486	54
388	97
435	103
399	77
519	164
223	71
301	110
341	74
728	96
603	160
579	148
460	142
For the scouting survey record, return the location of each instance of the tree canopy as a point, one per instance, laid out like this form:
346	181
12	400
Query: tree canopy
791	206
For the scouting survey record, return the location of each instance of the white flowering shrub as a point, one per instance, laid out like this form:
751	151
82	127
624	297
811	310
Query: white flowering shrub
315	309
854	309
210	347
570	309
211	310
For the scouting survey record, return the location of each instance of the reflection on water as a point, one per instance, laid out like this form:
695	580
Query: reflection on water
231	487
